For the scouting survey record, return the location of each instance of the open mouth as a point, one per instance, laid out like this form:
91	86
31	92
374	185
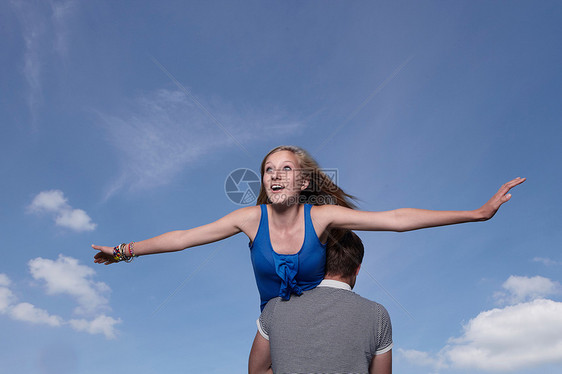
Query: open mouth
277	187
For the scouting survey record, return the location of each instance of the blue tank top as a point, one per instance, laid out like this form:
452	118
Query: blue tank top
279	274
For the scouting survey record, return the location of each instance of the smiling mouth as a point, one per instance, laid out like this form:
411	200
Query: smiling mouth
277	187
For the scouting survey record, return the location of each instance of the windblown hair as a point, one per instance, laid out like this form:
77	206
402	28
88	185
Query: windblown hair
321	189
344	256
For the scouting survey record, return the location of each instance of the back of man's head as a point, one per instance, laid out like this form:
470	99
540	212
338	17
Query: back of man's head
344	256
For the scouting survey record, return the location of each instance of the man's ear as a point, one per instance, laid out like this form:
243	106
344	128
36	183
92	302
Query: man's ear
357	271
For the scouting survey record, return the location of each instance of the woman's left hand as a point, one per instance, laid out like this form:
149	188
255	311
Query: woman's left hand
489	209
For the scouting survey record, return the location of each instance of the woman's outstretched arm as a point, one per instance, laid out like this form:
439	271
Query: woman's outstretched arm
407	219
172	241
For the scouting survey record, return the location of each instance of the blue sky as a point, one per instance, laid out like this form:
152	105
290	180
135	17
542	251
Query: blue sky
122	120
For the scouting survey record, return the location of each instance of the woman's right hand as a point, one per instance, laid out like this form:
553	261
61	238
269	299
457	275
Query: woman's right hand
104	256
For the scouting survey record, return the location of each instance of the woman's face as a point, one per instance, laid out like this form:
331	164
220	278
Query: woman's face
282	178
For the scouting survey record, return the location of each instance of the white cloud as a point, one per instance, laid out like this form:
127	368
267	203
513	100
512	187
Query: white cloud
528	334
4	280
6	296
519	289
164	131
75	219
29	313
23	311
518	336
100	325
54	202
6	299
56	274
49	201
67	276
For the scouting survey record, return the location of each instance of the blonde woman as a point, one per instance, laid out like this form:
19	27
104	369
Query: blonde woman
299	210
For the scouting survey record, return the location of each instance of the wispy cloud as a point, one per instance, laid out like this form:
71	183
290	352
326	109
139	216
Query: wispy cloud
547	261
43	29
34	26
61	12
53	202
163	132
526	334
64	276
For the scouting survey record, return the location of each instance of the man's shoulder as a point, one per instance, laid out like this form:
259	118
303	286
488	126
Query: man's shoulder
366	303
342	297
343	293
270	306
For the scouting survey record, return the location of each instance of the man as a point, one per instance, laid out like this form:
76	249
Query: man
329	329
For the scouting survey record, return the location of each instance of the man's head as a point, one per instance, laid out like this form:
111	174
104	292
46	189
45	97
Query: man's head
344	257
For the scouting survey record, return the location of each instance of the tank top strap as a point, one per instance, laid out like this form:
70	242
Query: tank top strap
264	222
310	232
307	219
262	236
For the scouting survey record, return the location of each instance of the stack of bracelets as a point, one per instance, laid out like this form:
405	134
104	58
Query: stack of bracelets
120	252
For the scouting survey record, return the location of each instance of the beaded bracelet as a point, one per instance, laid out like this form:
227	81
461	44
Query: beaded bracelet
120	255
117	253
131	251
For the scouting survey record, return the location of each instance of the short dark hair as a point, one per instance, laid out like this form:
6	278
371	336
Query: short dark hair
344	256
